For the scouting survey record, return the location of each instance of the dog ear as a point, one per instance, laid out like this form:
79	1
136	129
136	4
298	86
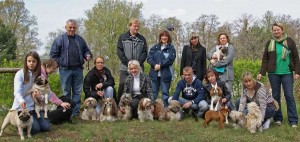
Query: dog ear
114	107
141	104
46	81
19	112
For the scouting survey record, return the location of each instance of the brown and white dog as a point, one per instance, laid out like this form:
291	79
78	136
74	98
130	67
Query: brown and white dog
21	119
41	85
174	111
125	102
144	110
216	96
217	116
109	110
89	112
159	112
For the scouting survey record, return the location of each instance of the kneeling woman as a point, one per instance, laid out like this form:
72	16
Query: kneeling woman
138	85
255	91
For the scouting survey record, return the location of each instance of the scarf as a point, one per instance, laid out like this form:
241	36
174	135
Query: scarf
283	42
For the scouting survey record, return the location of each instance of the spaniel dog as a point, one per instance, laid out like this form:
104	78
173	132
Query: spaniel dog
144	110
159	112
217	116
109	110
174	111
89	112
216	96
125	102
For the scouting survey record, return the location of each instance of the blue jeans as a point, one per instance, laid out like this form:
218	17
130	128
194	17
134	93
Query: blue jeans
287	82
39	124
71	80
108	93
165	86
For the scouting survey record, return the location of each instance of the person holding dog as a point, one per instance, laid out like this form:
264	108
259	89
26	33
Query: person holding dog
161	58
23	81
194	55
192	93
138	85
280	59
99	82
70	50
254	91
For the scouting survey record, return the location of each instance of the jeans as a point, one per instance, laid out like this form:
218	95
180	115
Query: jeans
108	93
287	82
269	113
71	80
39	124
123	76
165	86
199	108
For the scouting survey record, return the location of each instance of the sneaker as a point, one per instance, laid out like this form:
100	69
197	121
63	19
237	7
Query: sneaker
294	126
278	123
266	125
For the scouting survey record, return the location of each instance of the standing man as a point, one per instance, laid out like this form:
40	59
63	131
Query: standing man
69	50
131	46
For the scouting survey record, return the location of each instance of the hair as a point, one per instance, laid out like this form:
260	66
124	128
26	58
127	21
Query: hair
278	25
211	71
136	63
98	58
246	77
132	21
49	63
187	68
37	71
194	35
167	34
71	21
218	39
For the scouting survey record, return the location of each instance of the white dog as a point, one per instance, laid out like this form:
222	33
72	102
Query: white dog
144	110
109	110
21	119
216	96
89	112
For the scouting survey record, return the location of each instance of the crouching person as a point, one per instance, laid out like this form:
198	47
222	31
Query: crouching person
192	94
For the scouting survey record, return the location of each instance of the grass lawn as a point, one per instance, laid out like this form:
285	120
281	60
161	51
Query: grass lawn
186	130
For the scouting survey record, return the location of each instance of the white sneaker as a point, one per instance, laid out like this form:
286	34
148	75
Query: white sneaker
278	123
294	126
266	125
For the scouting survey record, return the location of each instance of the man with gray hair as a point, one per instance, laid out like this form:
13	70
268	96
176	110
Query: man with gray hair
70	50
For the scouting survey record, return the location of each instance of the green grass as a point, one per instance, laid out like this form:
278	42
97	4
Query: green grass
134	131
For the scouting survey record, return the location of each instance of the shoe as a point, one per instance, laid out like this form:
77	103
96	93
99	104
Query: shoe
266	125
278	123
294	126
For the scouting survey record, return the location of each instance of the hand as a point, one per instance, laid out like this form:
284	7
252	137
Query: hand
99	86
23	105
88	57
122	109
259	76
214	56
187	105
65	105
100	93
296	76
156	67
224	100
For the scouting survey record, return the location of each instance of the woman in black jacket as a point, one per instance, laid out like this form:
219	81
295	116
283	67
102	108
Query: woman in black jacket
194	55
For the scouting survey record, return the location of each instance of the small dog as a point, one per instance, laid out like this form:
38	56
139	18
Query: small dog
60	114
174	111
41	85
109	110
216	96
89	112
125	102
159	112
144	110
21	119
220	53
217	116
238	118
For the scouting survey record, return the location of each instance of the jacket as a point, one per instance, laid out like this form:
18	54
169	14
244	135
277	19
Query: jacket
269	58
94	77
165	59
129	48
60	47
221	84
193	92
186	60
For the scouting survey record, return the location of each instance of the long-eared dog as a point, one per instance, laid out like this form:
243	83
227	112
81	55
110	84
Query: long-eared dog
216	96
125	102
159	112
109	110
174	111
89	112
144	110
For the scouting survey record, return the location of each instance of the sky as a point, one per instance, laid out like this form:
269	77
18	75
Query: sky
52	14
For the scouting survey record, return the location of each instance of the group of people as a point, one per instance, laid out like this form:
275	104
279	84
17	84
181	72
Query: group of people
69	51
